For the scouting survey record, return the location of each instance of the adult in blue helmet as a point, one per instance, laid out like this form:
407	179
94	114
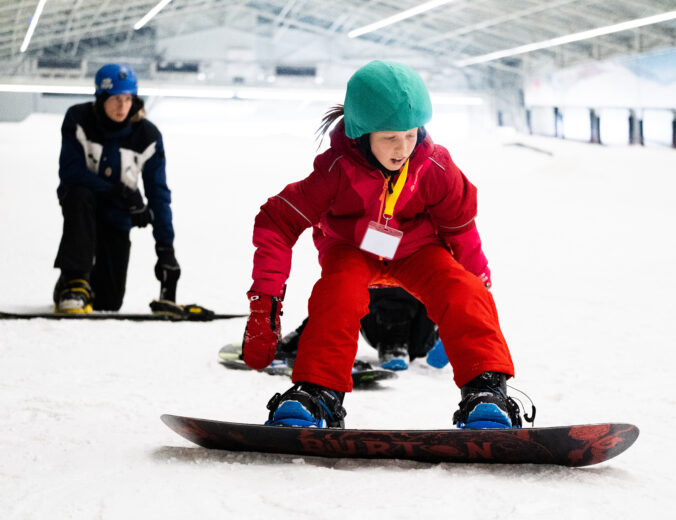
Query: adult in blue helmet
108	150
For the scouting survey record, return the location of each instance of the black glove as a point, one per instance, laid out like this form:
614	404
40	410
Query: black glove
141	214
167	271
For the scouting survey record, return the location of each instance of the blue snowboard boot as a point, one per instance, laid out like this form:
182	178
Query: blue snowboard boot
393	356
485	404
308	405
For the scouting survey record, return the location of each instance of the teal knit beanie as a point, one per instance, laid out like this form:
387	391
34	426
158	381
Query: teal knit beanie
385	96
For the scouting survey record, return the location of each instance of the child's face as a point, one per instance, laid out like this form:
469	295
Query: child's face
117	107
393	148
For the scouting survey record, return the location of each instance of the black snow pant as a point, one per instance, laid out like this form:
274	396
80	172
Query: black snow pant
92	249
397	317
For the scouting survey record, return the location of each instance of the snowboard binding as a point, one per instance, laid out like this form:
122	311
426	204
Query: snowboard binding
307	405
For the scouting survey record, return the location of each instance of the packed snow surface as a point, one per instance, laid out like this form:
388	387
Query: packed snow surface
580	239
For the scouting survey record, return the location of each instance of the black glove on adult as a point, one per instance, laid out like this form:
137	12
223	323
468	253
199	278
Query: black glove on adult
167	271
141	214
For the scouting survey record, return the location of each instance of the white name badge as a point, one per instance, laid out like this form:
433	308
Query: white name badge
380	240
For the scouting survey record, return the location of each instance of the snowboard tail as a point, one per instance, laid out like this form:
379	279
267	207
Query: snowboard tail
580	445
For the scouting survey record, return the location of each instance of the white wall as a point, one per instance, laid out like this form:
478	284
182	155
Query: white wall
643	83
654	124
576	124
17	106
542	121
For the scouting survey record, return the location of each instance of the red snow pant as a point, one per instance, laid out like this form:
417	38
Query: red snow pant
455	299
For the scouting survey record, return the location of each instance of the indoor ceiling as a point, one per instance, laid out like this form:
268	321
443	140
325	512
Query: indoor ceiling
446	36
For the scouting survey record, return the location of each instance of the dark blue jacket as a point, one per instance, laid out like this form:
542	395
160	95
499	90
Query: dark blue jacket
104	160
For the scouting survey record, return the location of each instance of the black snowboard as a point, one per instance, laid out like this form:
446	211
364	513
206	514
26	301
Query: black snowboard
581	445
114	316
363	374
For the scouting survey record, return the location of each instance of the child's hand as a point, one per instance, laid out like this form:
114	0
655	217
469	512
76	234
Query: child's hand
263	330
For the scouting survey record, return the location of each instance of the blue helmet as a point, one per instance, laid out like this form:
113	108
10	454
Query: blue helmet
115	79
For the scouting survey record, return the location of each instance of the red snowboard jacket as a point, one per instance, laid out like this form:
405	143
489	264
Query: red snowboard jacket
344	193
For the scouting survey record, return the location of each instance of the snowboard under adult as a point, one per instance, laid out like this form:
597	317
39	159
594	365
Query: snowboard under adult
115	316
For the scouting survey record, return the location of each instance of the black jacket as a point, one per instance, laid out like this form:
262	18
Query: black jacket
104	160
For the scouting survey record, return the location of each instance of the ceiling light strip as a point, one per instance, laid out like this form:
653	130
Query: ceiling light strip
33	24
151	14
561	40
403	15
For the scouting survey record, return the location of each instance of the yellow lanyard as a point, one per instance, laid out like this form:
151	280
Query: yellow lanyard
391	198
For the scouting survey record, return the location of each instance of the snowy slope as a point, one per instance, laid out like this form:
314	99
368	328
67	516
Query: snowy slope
580	241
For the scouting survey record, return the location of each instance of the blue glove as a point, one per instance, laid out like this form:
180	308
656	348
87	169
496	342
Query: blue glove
436	356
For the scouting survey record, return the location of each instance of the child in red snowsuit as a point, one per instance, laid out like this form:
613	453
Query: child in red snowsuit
388	207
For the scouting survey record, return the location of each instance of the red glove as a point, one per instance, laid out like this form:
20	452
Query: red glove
262	331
